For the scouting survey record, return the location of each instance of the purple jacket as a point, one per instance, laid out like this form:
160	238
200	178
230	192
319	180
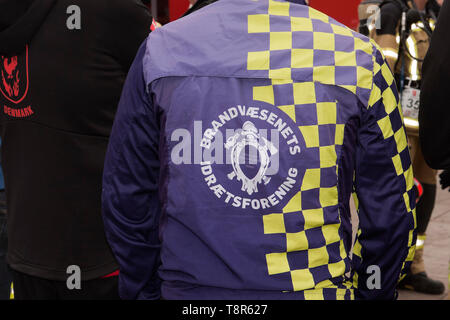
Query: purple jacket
242	132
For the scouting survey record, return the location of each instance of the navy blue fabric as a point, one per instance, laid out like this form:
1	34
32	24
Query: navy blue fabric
136	179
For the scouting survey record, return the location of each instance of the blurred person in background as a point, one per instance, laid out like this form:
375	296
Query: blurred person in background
403	32
434	112
155	24
366	11
5	274
62	67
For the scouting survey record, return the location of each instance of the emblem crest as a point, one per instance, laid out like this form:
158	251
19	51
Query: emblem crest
250	137
14	80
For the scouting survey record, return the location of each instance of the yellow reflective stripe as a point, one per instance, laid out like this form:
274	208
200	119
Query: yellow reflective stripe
390	53
412	48
417	26
432	24
420	242
411	123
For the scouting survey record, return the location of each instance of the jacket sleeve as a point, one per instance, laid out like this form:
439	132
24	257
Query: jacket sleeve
434	112
383	186
130	201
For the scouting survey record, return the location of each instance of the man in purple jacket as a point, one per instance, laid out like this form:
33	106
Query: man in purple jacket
242	131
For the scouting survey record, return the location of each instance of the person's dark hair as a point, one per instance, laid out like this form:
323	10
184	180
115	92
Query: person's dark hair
198	5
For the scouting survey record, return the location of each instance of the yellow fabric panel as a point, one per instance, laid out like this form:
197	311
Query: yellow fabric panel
397	164
387	74
340	130
259	23
365	78
328	197
302	58
340	294
375	96
389	100
302	279
278	8
343	252
331	233
355	280
341	30
264	94
284	73
282	81
406	198
277	263
409	178
345	59
363	46
386	127
258	60
337	269
296	241
325	284
328	156
400	139
349	88
289	110
355	200
311	179
325	74
317	257
324	41
313	218
280	40
304	93
410	238
411	253
357	249
274	223
327	113
295	204
313	295
311	135
301	24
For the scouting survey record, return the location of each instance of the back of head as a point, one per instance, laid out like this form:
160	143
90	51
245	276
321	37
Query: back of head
198	5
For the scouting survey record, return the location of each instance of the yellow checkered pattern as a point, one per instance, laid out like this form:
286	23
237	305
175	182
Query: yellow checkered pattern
386	127
305	93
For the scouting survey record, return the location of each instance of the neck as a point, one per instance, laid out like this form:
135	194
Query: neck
421	4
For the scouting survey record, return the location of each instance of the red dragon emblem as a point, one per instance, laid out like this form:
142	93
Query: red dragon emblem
14	77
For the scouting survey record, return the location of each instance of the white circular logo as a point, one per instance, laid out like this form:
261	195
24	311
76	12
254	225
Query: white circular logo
250	157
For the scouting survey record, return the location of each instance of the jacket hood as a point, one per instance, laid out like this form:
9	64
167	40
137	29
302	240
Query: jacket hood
19	21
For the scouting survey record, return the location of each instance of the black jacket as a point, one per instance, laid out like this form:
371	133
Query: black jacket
434	113
59	92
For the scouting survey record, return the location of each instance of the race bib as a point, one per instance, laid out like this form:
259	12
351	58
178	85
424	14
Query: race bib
411	103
